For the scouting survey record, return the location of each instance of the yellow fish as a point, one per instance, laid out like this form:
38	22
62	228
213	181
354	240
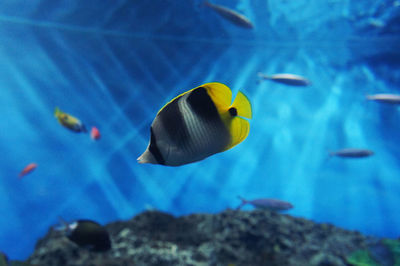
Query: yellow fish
68	121
196	124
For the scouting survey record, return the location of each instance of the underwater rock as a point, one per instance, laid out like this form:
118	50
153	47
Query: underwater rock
258	237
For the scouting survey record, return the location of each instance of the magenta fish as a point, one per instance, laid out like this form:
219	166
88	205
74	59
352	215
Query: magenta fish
266	204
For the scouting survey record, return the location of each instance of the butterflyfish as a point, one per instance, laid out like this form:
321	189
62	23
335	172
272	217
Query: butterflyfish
352	153
385	98
285	78
230	15
69	121
267	204
28	169
196	124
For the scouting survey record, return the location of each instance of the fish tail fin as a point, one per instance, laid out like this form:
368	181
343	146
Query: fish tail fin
56	111
206	3
369	97
263	76
244	202
83	128
239	127
329	156
242	105
63	225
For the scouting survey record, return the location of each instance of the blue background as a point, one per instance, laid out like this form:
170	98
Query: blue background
114	64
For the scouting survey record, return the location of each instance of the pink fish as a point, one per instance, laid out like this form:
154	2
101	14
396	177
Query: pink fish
29	168
268	204
95	133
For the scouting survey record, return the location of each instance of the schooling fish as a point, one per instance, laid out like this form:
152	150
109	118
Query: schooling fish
269	204
88	234
385	98
28	169
352	153
287	79
196	124
68	121
95	133
232	16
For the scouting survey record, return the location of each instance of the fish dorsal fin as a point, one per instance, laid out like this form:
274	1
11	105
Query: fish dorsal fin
180	95
220	94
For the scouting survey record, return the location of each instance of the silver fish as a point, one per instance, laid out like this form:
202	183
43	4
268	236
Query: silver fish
352	153
287	79
385	98
266	204
231	15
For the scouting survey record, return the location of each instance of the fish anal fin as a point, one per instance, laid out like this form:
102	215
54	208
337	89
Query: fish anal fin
239	129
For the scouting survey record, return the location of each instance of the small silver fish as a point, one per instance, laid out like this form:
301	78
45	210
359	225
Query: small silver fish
385	98
287	79
352	153
232	16
266	204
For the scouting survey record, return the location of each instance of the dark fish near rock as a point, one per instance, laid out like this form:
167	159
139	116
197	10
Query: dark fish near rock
88	234
231	15
352	153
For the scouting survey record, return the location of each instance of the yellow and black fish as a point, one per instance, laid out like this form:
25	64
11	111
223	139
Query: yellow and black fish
196	124
68	121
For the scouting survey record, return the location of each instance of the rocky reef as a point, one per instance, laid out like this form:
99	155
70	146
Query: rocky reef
227	238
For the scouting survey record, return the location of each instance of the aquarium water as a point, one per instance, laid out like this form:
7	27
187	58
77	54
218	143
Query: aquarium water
114	63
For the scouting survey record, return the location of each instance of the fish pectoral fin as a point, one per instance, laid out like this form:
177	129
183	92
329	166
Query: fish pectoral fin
239	130
242	105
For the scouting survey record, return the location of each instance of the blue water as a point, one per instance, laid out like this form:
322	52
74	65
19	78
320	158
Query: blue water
114	64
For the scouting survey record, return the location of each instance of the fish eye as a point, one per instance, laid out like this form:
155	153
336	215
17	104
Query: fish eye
233	111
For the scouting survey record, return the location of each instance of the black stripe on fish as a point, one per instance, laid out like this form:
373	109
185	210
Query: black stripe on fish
154	148
203	106
171	120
